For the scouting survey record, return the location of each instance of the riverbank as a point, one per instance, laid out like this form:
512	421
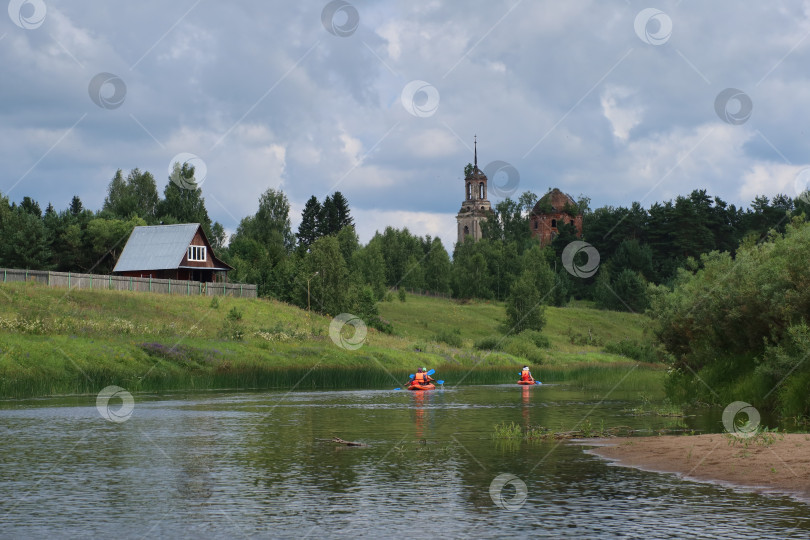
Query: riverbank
77	342
773	462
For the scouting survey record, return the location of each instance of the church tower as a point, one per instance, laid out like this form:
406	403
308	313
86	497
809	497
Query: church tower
475	208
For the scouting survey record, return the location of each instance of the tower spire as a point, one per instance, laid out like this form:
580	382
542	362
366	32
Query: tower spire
475	143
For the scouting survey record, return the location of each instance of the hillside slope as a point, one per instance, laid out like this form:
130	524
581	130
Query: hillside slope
55	341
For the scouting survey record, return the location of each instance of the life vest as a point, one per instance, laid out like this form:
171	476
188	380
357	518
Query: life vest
420	378
525	376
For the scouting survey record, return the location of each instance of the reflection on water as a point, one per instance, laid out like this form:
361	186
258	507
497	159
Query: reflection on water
216	465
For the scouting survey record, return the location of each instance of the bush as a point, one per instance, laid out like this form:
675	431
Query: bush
401	295
536	337
381	324
523	348
450	337
579	338
643	352
489	343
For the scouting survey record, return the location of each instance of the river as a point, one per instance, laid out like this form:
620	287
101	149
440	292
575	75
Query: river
220	464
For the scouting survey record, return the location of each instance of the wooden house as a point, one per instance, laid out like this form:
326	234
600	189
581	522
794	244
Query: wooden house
179	252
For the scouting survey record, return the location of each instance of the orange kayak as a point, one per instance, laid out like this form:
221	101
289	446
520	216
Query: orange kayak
428	386
526	382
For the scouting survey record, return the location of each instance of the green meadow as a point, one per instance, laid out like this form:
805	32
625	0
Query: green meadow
55	341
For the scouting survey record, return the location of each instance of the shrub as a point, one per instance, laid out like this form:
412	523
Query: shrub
401	294
488	343
536	337
579	338
523	348
450	337
643	352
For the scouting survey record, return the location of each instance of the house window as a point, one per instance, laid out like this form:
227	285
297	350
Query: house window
196	253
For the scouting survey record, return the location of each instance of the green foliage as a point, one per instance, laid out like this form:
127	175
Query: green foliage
739	323
233	328
214	302
137	194
643	352
626	292
488	343
582	338
331	289
183	204
538	339
525	307
308	229
507	430
451	337
402	295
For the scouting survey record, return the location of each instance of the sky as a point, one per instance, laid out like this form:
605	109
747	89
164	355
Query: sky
619	101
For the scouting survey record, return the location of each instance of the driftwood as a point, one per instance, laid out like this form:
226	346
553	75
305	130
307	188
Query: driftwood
338	440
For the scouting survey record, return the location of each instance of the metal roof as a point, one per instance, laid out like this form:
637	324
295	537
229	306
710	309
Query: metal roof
156	247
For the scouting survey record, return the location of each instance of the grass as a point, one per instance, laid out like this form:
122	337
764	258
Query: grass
57	342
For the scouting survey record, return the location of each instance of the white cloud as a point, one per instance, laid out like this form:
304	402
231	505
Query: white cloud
622	118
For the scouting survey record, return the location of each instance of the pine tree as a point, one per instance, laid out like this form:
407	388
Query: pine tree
76	206
308	229
328	218
343	216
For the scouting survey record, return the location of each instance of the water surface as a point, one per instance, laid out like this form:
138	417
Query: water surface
208	465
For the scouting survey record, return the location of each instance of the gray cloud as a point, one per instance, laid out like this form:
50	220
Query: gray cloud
566	92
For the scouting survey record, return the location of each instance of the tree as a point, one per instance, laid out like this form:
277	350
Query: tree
343	215
525	308
368	261
626	292
331	289
328	218
25	241
218	236
76	206
183	204
137	194
30	206
349	243
108	238
308	229
437	268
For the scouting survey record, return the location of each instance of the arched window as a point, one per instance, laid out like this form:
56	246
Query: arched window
469	191
553	223
481	193
535	225
466	230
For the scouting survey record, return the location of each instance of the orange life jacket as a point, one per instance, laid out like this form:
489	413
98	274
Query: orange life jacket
525	376
420	378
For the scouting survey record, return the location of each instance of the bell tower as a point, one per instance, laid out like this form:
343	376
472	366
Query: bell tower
476	207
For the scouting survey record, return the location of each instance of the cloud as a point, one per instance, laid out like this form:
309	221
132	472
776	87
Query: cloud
268	98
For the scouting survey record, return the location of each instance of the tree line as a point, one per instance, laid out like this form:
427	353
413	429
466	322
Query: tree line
637	246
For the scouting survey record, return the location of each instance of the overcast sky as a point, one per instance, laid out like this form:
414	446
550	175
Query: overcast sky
621	101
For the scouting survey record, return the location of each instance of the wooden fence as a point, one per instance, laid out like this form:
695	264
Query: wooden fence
70	280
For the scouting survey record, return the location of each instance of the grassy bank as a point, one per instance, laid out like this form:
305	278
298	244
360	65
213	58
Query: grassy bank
57	342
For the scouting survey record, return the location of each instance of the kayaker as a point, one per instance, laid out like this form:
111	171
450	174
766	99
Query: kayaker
526	375
421	377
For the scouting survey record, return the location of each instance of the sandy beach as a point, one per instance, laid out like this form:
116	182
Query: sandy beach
781	466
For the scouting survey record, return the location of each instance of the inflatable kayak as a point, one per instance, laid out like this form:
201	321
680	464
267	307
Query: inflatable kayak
527	382
421	387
